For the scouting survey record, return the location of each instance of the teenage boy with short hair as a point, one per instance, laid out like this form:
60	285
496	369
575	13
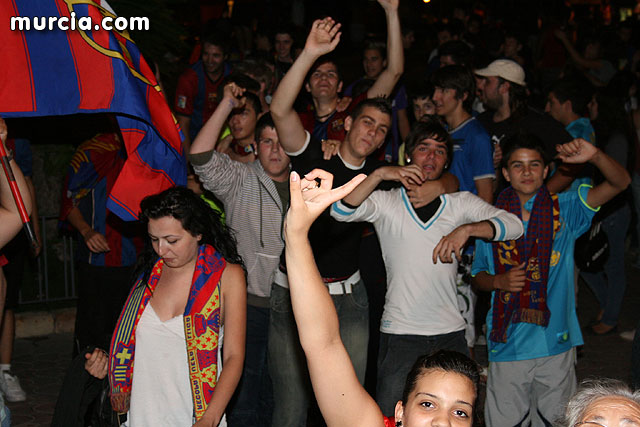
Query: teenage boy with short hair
532	324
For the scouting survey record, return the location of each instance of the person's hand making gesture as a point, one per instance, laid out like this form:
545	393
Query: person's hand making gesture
309	200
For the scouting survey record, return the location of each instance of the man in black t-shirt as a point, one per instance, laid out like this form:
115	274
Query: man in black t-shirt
335	245
502	90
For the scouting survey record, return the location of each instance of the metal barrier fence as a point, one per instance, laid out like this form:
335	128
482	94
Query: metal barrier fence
45	286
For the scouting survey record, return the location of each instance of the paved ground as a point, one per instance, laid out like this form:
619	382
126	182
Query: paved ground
41	362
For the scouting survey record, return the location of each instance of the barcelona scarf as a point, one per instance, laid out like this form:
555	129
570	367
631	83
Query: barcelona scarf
530	304
201	327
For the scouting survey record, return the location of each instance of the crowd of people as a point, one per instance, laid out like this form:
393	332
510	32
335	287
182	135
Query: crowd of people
462	186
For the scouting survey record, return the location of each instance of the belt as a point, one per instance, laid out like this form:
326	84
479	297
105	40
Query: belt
340	287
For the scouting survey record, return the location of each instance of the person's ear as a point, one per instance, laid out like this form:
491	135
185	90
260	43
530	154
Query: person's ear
340	86
307	87
505	173
199	237
546	171
399	412
348	121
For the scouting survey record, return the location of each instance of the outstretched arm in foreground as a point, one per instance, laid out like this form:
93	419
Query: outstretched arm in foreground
341	398
10	222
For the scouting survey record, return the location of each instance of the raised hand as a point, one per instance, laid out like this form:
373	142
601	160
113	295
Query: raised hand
323	37
576	151
234	95
308	200
389	5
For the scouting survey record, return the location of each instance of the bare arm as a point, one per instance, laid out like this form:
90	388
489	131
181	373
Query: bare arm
575	55
485	189
95	241
511	281
323	38
234	304
10	222
341	398
385	82
407	175
210	133
616	177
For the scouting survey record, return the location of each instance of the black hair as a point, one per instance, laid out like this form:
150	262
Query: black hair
459	78
574	90
517	98
380	103
458	50
195	216
442	360
431	128
422	90
266	121
216	38
324	59
259	68
522	139
285	28
361	86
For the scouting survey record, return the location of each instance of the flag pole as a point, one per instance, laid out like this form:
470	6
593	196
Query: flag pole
24	216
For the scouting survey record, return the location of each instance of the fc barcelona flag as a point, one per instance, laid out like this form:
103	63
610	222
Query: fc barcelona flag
54	71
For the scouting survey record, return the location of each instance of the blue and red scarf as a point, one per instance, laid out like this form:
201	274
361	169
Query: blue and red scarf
535	247
201	327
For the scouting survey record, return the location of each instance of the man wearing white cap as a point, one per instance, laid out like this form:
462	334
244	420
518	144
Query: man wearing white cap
502	89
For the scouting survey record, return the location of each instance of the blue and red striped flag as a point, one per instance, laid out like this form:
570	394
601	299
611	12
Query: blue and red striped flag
55	72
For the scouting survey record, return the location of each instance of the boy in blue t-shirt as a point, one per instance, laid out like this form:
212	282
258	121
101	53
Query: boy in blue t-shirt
532	324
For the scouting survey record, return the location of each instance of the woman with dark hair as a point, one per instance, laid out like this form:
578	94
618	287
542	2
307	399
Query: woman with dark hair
190	285
441	389
614	137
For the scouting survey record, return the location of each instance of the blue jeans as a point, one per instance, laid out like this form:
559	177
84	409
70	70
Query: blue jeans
609	285
287	364
253	400
397	355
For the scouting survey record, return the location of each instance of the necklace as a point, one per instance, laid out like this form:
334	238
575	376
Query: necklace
325	115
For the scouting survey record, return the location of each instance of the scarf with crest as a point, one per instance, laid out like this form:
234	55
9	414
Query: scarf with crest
201	328
535	247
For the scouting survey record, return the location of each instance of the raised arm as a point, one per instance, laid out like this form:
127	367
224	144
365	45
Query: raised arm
386	81
341	398
411	175
10	222
323	38
207	138
616	177
234	303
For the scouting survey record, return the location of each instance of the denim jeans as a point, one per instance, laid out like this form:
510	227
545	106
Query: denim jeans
609	285
287	364
252	402
397	355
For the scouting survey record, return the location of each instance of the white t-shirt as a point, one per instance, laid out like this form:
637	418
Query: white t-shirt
421	296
